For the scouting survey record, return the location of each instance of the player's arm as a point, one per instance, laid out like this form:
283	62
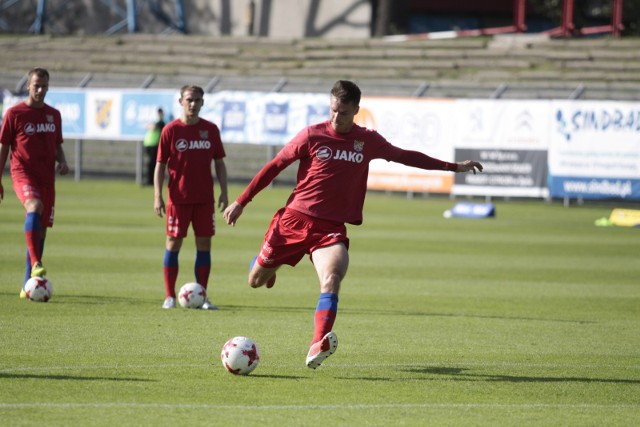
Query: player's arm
257	184
4	155
221	175
420	160
158	182
290	153
62	166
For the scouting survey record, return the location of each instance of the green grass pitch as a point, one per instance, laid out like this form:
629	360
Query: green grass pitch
530	318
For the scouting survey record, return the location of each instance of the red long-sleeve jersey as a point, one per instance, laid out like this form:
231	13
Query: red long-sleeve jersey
333	169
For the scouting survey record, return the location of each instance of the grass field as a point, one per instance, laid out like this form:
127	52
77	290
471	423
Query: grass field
531	318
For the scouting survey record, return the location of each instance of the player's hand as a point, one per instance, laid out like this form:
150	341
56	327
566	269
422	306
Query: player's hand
158	206
223	202
62	168
232	213
469	165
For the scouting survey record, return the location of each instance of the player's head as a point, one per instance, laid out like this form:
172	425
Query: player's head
37	85
191	99
345	103
346	91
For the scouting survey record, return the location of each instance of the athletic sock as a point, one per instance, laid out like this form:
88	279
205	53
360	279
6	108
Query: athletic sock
325	315
28	264
32	234
170	272
202	267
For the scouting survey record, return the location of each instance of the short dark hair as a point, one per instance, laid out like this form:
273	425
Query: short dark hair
191	88
346	91
40	72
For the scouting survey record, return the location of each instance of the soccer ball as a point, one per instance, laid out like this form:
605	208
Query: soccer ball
240	355
38	289
192	295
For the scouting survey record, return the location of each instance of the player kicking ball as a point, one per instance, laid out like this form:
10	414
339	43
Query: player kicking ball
330	191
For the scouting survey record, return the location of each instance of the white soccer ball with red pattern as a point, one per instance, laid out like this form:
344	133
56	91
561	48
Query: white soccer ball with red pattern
240	355
192	295
38	289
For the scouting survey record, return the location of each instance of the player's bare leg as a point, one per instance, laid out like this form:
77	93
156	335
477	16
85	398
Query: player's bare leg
259	275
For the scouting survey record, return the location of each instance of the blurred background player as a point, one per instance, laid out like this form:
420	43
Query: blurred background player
188	146
32	132
150	143
332	175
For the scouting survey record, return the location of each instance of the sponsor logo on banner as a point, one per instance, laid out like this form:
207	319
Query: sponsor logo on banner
103	112
233	115
275	120
596	120
317	114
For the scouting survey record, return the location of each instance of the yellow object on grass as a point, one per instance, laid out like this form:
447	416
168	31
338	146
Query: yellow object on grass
625	217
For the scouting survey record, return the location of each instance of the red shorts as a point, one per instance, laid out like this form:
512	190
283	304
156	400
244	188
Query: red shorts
200	215
293	234
27	190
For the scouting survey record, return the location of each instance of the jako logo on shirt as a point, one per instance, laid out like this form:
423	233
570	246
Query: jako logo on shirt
349	156
184	145
325	153
31	129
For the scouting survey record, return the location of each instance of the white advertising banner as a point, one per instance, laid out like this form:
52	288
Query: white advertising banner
263	118
595	150
510	139
529	148
421	125
103	114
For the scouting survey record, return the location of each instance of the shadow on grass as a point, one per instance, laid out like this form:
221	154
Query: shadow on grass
104	300
98	300
278	377
462	374
4	375
383	312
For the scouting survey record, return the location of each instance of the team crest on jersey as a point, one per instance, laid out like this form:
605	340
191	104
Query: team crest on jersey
204	134
358	145
49	118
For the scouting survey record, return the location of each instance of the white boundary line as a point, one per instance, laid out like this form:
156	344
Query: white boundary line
319	407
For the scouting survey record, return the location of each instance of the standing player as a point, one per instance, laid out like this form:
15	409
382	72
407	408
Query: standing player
188	146
333	166
32	131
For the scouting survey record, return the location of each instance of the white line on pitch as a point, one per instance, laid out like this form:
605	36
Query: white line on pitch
321	407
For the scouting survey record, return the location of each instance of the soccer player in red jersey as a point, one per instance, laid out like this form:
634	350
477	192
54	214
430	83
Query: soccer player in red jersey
331	185
32	132
188	146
